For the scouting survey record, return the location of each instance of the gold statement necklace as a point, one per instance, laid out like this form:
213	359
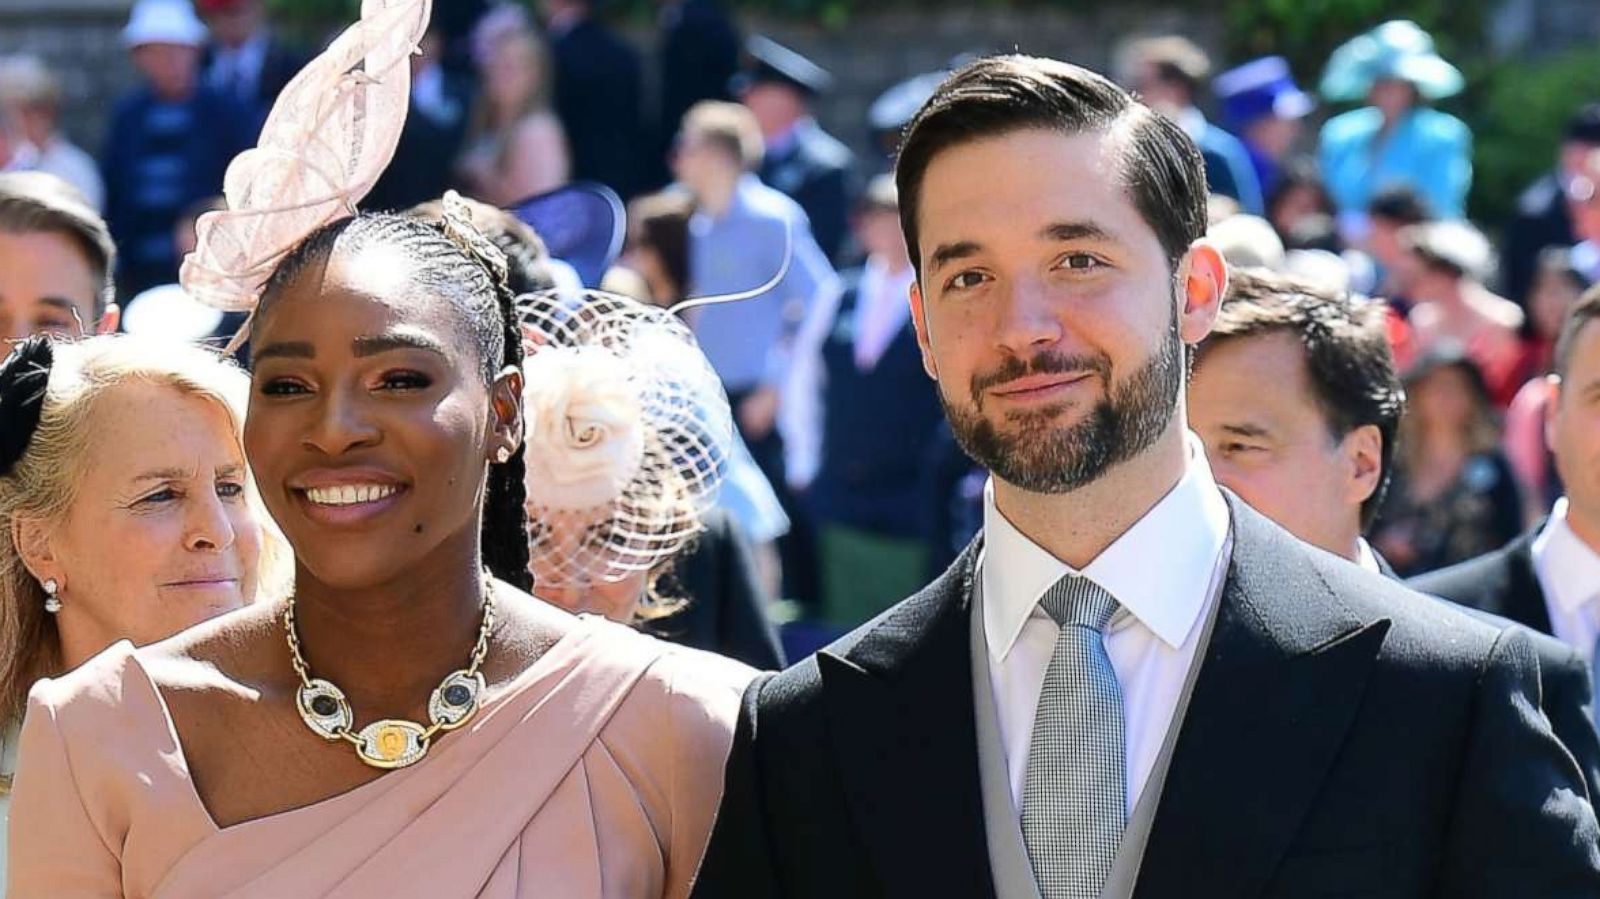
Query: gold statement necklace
392	742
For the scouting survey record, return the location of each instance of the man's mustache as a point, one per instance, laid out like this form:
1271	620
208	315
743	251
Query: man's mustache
1047	363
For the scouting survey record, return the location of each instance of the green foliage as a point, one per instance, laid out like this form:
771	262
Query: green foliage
1519	110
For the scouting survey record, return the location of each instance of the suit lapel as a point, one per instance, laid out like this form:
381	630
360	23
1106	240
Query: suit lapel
1525	602
1279	686
900	709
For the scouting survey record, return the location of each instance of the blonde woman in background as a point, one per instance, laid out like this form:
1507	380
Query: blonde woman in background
125	507
516	148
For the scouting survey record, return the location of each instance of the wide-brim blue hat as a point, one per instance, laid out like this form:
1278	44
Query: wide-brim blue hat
1399	49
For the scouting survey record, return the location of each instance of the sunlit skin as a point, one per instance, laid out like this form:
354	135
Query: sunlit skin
776	107
361	375
1029	244
48	287
1274	447
1572	429
160	536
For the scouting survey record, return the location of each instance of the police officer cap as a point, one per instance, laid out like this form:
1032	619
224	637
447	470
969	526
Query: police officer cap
772	63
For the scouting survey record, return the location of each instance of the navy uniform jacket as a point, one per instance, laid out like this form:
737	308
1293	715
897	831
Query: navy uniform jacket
815	170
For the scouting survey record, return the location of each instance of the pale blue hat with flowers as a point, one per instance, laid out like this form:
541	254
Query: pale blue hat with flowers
1398	49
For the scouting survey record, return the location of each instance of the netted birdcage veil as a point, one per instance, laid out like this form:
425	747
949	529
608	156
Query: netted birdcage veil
628	434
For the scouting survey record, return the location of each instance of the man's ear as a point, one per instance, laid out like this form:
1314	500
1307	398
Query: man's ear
1552	408
1202	280
1363	457
505	400
919	321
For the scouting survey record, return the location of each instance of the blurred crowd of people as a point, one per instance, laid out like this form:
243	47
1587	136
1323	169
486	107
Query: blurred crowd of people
731	186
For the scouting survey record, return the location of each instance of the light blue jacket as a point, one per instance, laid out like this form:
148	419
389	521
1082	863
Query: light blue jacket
1429	151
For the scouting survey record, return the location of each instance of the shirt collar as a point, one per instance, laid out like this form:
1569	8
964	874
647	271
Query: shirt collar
1185	531
1569	568
1366	558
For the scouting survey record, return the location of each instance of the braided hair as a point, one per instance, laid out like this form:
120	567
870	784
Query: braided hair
468	276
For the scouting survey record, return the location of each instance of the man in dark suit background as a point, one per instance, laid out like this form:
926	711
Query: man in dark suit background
1549	578
1132	683
245	60
1543	219
802	160
599	96
699	55
1314	452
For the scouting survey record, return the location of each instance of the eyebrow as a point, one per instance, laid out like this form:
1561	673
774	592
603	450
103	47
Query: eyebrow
181	474
1060	231
1247	430
61	303
289	350
361	346
1056	231
372	346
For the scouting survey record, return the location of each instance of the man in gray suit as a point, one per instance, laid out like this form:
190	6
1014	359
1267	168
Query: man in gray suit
1131	684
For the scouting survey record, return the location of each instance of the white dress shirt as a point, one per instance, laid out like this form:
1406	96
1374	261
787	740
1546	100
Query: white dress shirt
1366	558
883	306
1166	571
1569	573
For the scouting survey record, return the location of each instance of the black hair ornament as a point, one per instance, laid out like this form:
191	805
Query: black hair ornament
24	377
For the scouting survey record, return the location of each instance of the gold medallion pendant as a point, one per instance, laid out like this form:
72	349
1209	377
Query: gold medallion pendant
392	742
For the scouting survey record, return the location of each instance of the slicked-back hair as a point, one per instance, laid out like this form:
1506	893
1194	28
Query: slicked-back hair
1346	342
1159	164
1584	311
484	306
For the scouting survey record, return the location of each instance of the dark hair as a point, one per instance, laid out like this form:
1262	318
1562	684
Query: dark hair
33	202
1000	95
1584	311
527	257
1348	356
464	278
1401	205
661	222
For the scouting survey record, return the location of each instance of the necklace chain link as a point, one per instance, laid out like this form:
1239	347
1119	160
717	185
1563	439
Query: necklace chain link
344	731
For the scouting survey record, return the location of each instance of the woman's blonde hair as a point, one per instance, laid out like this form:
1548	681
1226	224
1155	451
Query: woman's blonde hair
43	485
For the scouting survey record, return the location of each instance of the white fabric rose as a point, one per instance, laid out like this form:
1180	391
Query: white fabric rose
584	428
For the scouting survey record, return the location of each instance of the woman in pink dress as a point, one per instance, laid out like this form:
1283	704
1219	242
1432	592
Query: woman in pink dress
408	721
405	724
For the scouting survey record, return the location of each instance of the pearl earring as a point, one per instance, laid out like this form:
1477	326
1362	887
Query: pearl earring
502	455
52	603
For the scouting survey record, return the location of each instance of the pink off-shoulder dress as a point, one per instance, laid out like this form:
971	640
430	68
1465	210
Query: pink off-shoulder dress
596	774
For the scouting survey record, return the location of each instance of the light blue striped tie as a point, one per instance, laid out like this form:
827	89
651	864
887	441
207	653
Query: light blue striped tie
1074	796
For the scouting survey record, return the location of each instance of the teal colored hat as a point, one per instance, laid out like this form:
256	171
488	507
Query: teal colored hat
1398	49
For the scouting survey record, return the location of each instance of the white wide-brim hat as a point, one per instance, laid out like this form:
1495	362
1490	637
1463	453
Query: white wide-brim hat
164	22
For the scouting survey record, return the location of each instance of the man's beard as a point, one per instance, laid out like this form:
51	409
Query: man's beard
1035	455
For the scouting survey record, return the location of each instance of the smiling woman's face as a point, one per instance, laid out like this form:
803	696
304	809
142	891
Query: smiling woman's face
370	422
160	536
